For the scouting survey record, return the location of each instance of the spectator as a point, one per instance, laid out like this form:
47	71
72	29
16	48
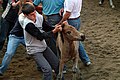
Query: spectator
8	20
51	11
72	9
15	38
4	4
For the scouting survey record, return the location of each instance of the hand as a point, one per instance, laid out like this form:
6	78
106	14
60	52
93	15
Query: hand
15	4
57	28
61	11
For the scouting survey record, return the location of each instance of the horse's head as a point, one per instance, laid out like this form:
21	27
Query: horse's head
69	32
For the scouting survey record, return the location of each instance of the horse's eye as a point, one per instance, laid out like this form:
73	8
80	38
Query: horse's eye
68	32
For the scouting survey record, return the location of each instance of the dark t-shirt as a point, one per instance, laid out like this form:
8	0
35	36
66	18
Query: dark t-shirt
17	30
12	14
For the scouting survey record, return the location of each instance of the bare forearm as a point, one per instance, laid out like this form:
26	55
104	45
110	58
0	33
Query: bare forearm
65	17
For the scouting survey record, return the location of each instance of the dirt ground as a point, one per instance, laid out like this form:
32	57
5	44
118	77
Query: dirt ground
101	26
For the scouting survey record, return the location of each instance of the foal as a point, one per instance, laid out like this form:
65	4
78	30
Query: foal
67	43
110	1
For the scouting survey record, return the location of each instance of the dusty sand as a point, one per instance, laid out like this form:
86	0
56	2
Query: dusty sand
101	26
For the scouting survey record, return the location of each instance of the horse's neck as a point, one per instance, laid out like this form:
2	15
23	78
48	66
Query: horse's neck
68	42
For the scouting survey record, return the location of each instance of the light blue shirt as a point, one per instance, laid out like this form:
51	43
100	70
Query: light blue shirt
50	6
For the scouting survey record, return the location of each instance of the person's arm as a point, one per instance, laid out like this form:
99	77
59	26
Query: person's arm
61	11
65	17
34	31
46	26
13	3
36	2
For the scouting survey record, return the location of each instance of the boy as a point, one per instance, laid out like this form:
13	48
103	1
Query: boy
35	41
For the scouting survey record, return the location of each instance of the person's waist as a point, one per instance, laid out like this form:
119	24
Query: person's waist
19	34
19	37
53	14
74	18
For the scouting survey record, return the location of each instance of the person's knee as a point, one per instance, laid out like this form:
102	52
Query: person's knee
10	54
47	70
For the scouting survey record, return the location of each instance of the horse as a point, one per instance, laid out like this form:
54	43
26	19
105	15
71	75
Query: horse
110	2
67	43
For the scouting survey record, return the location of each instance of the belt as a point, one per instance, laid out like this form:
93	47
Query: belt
74	18
53	14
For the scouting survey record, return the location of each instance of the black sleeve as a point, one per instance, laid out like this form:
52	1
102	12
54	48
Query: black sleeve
46	26
35	32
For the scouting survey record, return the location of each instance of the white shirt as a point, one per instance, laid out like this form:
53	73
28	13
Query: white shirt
73	6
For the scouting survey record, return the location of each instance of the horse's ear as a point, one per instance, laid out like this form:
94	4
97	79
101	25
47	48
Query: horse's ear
64	23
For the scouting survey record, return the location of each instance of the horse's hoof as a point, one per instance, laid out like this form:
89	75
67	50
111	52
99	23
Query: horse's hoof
113	6
100	3
75	70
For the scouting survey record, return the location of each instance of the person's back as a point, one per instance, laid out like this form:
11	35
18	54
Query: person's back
73	6
50	7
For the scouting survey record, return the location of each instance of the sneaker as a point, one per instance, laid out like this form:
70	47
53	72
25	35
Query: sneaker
1	74
39	69
88	64
53	71
64	71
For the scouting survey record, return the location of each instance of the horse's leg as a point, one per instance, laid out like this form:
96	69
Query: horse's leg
76	72
101	2
61	66
75	63
75	69
75	60
111	4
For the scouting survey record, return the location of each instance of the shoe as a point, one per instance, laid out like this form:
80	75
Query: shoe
64	71
1	74
53	71
39	69
88	63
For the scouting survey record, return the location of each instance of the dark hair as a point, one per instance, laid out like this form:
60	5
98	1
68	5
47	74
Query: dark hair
28	8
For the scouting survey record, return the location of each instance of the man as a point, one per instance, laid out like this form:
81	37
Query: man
15	38
51	11
72	9
8	19
35	41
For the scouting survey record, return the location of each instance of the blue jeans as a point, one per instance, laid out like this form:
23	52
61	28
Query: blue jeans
6	26
53	20
13	43
82	53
